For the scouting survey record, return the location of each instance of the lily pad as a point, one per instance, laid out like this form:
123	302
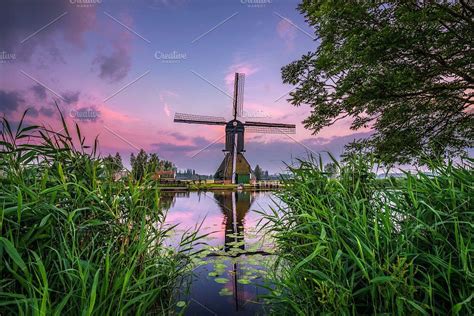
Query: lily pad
225	292
244	281
220	266
221	280
181	304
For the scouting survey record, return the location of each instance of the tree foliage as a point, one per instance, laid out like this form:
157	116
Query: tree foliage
147	164
258	172
139	164
403	68
113	163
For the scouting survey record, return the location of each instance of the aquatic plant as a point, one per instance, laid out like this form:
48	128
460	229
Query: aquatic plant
73	240
359	245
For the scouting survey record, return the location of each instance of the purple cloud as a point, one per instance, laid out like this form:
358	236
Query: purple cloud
21	24
71	97
39	91
47	111
114	67
10	101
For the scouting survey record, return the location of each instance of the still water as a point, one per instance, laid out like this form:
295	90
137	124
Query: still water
230	274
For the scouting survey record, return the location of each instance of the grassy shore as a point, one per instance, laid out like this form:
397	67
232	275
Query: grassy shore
72	240
352	246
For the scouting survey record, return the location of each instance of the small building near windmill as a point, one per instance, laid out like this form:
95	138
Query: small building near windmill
242	170
165	175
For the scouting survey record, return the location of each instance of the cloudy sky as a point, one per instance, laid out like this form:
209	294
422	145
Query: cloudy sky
122	68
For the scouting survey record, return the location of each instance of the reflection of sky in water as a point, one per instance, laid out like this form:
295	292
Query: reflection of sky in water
190	209
230	282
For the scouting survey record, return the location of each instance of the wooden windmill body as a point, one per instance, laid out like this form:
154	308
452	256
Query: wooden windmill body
235	167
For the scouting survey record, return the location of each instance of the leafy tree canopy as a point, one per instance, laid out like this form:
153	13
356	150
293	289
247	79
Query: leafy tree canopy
403	68
114	163
258	172
144	163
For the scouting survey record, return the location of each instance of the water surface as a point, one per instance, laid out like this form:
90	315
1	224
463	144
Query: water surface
230	274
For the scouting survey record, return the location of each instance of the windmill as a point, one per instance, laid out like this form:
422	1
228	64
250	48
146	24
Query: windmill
235	167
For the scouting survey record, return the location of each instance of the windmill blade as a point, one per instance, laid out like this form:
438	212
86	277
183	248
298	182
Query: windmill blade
240	95
238	106
198	119
269	128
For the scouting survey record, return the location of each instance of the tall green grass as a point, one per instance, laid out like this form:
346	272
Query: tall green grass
74	241
356	245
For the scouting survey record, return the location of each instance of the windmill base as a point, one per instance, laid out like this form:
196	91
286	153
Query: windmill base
243	170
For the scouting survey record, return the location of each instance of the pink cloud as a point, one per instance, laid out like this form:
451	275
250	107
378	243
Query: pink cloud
287	33
163	98
109	114
167	110
246	68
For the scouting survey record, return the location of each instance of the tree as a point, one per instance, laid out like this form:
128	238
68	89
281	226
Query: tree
109	163
258	173
153	163
144	163
113	163
118	162
331	169
139	164
403	68
167	165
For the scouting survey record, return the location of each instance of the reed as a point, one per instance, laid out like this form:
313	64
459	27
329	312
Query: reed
75	241
356	245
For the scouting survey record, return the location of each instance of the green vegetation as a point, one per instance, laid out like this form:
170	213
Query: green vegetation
144	164
72	240
331	169
357	245
114	164
258	172
401	67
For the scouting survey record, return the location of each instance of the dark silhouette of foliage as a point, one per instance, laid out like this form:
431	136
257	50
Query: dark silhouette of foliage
113	163
403	68
148	164
258	172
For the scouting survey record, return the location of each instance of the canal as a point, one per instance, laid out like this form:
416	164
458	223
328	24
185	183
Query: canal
229	273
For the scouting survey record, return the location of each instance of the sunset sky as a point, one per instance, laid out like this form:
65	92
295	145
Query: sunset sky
128	66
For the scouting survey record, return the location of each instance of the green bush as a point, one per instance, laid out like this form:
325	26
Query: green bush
74	241
359	245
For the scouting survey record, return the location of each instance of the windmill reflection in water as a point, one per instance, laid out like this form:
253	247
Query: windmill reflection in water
235	205
238	246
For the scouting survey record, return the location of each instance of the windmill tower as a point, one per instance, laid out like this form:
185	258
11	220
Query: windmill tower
235	168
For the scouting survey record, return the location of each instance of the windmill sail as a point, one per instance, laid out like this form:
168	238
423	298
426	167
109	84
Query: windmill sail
198	119
269	128
240	98
239	84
